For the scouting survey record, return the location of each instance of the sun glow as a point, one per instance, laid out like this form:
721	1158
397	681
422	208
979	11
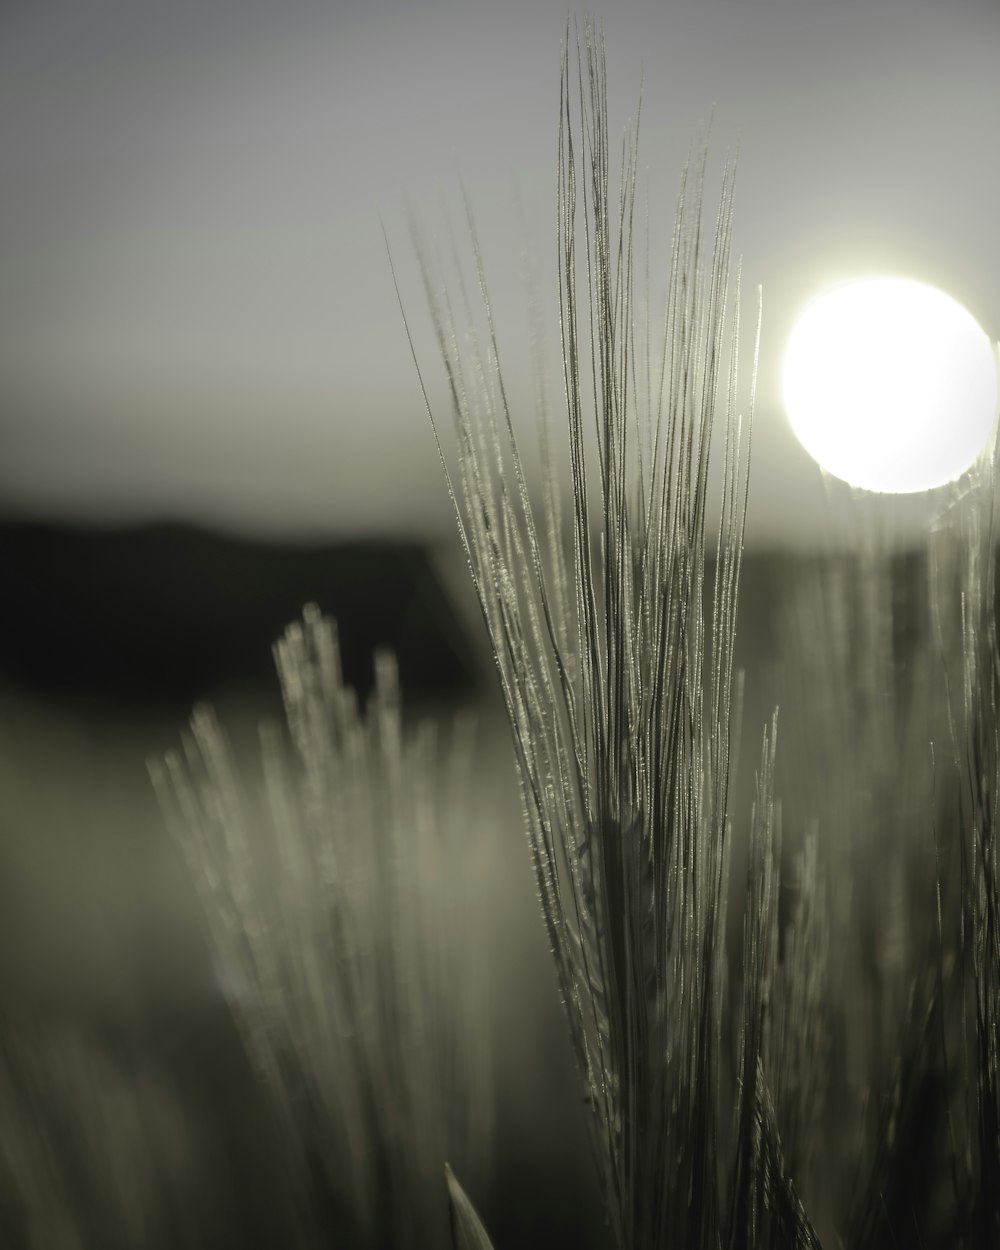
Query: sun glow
890	384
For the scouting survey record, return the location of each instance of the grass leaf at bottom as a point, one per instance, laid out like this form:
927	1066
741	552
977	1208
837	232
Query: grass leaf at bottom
467	1232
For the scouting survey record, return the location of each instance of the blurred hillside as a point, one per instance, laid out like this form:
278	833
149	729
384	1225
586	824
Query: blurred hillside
160	616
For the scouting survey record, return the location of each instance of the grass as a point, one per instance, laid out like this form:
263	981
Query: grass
615	661
822	1053
974	940
859	775
335	894
87	1150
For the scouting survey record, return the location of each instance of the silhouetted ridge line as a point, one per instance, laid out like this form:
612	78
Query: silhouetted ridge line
164	614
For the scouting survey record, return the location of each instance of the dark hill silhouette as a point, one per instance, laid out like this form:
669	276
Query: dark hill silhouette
165	614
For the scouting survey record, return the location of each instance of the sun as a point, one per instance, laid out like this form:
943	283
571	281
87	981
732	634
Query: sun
890	384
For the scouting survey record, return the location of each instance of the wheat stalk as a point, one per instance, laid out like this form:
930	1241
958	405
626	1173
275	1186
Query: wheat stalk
615	661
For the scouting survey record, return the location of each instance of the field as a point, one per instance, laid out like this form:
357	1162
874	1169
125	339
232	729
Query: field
135	1117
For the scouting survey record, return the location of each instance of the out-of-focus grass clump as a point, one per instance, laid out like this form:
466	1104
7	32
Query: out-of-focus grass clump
88	1151
863	699
338	904
966	568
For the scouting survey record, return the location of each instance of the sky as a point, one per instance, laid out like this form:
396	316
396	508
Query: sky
197	315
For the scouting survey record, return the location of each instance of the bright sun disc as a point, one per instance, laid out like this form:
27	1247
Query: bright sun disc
890	384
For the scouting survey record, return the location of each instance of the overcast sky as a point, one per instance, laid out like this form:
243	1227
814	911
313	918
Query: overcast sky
196	314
